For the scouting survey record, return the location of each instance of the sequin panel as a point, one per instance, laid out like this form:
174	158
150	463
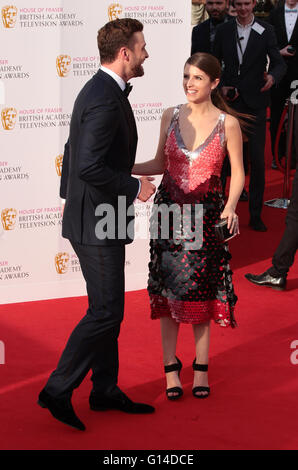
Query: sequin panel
190	169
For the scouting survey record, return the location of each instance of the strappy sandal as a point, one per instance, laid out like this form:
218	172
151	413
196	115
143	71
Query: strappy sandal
177	390
202	368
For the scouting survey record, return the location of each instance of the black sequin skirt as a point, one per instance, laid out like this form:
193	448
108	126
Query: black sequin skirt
189	274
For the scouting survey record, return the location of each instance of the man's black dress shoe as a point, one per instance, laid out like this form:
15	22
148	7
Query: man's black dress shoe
101	402
258	225
265	279
61	409
243	196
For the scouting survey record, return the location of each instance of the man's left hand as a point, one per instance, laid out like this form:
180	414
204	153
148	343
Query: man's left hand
269	81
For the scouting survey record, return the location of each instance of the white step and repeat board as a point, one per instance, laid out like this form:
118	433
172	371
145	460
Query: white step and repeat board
48	52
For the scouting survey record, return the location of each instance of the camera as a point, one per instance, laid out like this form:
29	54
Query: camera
291	49
231	93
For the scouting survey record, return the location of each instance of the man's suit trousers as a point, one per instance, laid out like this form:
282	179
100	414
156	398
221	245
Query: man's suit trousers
284	255
93	344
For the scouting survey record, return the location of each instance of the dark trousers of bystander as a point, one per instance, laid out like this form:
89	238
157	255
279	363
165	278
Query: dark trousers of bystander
284	255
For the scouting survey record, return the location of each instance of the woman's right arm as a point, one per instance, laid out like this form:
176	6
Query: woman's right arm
157	164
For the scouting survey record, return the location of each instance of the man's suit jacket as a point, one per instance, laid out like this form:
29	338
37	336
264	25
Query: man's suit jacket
98	159
251	78
200	37
277	19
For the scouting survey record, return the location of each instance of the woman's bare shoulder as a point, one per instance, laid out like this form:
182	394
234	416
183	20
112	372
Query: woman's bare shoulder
168	112
167	115
231	122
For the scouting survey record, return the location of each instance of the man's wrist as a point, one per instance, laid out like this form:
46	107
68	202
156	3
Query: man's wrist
139	190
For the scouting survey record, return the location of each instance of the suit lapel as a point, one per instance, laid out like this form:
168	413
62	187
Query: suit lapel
133	131
208	42
120	95
133	134
282	22
294	38
250	47
127	111
234	52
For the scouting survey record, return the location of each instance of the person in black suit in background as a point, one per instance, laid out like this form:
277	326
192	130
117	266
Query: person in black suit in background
284	18
96	173
284	256
243	44
203	34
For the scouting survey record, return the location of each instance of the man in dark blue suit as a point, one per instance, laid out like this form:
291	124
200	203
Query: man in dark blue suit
96	173
204	33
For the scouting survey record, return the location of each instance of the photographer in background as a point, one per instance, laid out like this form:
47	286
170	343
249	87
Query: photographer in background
243	45
284	18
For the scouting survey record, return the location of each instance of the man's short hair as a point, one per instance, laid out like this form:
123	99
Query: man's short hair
114	35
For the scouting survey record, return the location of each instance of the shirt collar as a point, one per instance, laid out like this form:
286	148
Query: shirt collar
249	25
291	10
116	77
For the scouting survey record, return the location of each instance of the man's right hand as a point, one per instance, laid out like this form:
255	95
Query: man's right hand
285	53
147	188
225	91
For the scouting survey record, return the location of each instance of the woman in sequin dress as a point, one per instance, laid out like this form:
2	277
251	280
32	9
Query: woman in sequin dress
191	283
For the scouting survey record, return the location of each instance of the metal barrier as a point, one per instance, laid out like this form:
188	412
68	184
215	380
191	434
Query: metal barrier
283	202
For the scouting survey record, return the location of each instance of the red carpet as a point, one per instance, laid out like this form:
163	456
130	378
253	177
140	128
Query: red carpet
254	386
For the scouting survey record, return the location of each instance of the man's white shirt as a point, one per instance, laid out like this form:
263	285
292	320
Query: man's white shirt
290	19
243	33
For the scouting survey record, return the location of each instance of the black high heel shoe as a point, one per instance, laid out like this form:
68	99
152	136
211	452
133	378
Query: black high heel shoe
177	390
202	368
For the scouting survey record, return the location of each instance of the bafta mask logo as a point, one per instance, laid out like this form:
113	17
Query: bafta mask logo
58	164
63	63
9	16
114	11
8	117
61	262
8	218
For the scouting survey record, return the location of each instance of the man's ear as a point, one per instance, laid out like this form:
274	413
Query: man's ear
123	53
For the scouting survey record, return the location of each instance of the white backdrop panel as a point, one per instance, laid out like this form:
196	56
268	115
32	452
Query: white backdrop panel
48	52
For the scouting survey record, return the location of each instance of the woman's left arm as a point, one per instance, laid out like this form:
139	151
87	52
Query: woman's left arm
235	152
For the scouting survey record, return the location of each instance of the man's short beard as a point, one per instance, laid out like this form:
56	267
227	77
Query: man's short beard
138	71
219	18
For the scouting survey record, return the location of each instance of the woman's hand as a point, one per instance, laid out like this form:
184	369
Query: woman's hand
233	221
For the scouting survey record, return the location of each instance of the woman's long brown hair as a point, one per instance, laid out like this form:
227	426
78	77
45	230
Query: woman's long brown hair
211	66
